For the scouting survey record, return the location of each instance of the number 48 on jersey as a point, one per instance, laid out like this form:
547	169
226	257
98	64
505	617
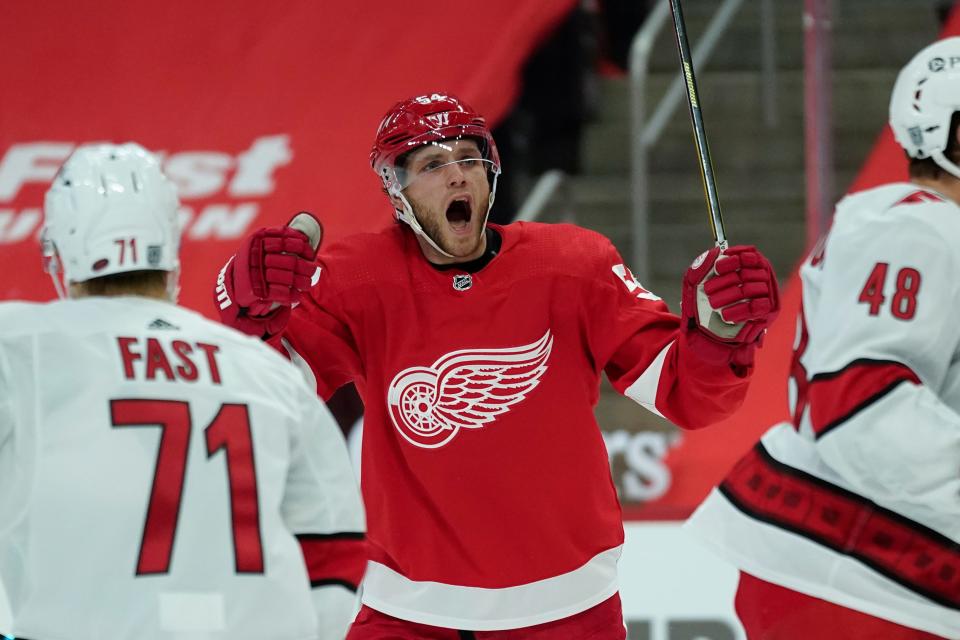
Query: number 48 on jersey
903	303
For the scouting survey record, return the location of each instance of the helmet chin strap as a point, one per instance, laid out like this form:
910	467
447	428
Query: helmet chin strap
945	164
62	291
52	267
407	216
173	285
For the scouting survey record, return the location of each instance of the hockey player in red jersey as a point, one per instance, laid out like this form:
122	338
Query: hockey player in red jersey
845	522
163	476
478	351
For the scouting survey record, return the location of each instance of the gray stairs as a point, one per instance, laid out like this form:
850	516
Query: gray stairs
760	170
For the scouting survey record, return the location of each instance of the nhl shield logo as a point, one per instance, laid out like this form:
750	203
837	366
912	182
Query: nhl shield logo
462	282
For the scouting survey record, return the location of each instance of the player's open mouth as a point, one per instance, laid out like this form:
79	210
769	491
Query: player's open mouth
458	214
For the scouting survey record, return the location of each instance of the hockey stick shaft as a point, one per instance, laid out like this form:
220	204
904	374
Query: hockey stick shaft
699	131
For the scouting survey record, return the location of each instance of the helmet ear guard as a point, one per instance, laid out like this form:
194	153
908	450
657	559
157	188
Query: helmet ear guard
924	98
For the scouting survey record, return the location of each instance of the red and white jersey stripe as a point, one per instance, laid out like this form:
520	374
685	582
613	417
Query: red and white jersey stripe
858	500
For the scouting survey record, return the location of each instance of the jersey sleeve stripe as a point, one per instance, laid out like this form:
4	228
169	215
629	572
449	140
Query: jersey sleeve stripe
346	584
300	363
901	549
339	535
644	390
838	396
338	558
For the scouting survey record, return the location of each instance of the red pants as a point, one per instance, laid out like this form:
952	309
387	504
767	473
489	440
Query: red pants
602	622
772	612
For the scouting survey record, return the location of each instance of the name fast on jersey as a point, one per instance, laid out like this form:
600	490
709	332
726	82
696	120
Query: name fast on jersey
145	359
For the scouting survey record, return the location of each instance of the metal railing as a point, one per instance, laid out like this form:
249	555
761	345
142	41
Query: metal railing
646	133
543	190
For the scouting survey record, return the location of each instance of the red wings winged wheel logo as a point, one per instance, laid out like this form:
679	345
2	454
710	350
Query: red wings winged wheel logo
468	388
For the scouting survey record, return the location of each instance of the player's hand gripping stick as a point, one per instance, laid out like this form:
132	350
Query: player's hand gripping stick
729	299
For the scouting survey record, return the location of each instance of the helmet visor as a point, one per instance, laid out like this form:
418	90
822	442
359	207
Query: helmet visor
440	160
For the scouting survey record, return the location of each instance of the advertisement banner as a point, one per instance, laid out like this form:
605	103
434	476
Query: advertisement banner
259	110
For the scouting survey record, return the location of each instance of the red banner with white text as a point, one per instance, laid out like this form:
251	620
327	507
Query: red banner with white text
260	110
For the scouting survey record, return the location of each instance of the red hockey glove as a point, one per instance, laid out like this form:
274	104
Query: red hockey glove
258	286
729	300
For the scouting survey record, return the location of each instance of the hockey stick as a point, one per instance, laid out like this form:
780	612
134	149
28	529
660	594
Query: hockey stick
699	132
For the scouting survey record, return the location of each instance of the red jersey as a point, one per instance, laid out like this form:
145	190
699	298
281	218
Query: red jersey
489	498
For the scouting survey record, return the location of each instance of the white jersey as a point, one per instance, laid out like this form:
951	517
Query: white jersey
858	500
158	471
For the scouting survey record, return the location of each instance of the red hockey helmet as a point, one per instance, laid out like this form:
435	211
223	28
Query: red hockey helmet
422	120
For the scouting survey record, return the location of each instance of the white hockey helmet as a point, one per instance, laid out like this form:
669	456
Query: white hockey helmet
924	99
110	210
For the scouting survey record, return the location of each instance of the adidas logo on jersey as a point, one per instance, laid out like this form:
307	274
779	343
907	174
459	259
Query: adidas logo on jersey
160	323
